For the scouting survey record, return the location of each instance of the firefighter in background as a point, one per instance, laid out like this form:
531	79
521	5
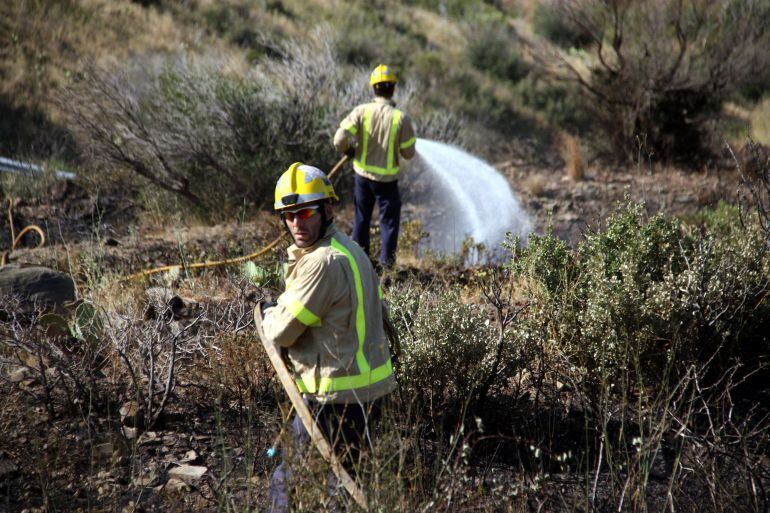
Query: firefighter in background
330	321
375	135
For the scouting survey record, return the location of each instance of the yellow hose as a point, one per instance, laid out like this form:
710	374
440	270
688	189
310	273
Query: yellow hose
201	265
15	239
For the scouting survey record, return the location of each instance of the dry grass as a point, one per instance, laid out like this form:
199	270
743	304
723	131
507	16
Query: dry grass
760	122
45	43
575	164
534	184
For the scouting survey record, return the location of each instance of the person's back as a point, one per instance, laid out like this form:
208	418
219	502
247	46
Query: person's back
376	135
384	134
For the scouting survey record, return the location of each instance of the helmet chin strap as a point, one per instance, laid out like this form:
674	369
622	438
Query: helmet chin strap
326	222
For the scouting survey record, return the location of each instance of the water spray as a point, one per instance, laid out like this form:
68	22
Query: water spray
466	197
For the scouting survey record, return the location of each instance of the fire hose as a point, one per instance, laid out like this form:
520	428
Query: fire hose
15	239
229	261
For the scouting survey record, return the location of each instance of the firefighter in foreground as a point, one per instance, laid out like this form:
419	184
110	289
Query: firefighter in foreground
330	320
375	135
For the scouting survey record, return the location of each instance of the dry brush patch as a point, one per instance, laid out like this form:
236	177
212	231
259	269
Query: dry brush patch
621	374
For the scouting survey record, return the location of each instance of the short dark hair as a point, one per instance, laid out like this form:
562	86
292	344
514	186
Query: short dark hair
384	89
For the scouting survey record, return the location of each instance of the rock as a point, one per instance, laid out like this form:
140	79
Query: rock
150	438
162	302
131	414
129	432
187	473
111	450
176	485
21	374
189	457
146	480
38	287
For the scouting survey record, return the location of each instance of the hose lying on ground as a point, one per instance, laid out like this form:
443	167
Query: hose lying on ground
15	239
229	261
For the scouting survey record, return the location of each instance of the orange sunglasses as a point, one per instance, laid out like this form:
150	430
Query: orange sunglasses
301	215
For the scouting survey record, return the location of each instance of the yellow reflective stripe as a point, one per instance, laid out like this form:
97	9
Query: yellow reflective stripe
301	313
358	381
392	137
379	291
363	365
361	161
350	127
408	143
306	388
377	170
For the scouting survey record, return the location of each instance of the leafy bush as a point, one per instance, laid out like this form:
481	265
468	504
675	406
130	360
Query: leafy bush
549	22
560	103
648	296
449	348
492	49
216	139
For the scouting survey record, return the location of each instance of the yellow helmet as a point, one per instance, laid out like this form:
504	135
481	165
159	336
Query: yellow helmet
382	73
301	184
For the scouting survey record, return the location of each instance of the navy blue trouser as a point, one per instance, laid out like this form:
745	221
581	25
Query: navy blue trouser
366	192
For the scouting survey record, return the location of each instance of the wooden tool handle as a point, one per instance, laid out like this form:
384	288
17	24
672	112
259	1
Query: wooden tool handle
307	418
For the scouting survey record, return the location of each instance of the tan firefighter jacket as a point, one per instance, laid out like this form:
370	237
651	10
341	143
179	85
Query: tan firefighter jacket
382	133
330	319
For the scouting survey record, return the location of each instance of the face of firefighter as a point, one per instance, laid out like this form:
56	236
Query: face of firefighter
305	225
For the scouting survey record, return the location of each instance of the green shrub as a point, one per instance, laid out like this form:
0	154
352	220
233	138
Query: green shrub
551	23
560	103
492	48
649	296
448	348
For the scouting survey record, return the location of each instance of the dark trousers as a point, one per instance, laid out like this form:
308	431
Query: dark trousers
345	427
388	200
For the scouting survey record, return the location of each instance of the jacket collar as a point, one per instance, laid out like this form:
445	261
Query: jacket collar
295	253
386	101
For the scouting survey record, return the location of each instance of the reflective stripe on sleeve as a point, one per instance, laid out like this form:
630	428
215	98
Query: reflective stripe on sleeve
350	127
408	143
300	312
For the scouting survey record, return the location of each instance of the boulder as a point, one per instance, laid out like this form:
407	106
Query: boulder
36	286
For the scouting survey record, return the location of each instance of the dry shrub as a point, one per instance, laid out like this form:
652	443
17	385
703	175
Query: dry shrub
660	70
573	158
217	139
535	184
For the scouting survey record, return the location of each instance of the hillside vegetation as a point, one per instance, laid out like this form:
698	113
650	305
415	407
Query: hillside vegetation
624	369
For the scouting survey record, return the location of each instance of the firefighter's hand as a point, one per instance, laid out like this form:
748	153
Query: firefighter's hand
350	152
266	303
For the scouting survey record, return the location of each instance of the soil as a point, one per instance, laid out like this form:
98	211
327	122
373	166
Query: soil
73	221
34	444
